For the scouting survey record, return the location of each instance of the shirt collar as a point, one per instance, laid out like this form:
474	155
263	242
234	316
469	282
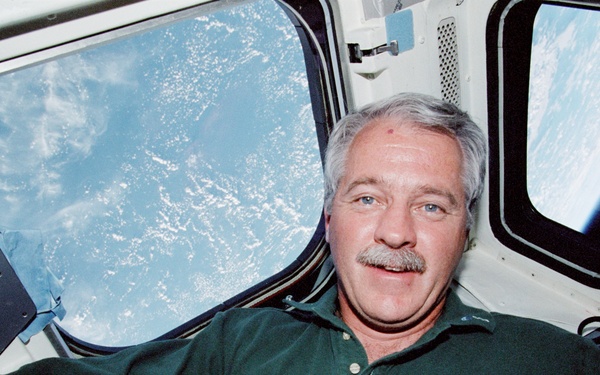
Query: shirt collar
455	314
325	307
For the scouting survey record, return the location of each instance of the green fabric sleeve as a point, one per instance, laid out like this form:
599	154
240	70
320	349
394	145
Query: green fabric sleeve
199	355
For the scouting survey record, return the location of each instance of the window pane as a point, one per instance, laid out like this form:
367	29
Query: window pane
563	158
168	171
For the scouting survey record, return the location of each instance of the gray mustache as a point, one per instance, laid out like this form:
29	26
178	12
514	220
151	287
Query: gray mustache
381	256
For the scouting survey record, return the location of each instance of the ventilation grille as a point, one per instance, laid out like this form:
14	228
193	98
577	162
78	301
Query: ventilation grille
448	54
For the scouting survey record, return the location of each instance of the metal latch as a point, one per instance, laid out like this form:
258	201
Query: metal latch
357	54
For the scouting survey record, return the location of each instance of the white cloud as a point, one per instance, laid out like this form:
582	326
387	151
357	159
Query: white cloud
565	39
544	59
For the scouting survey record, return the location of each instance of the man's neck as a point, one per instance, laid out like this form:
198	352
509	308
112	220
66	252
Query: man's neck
378	347
379	344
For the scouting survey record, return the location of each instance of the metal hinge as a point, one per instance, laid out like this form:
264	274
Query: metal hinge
357	54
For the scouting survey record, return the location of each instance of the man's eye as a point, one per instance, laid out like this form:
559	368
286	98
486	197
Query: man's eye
431	208
367	200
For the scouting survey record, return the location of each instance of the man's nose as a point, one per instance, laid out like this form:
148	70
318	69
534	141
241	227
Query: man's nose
396	228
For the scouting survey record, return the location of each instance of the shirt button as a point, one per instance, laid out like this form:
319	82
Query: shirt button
355	368
346	336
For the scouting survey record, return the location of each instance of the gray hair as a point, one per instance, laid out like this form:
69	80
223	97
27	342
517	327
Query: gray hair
419	110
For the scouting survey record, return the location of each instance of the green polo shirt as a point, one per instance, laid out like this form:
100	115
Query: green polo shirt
311	339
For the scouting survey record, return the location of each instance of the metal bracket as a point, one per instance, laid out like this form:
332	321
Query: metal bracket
18	310
356	54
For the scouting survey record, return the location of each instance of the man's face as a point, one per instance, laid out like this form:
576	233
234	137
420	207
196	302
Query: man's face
401	191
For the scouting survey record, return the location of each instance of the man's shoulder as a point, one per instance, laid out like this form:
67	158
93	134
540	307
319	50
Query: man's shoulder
522	340
261	319
506	342
517	325
316	313
535	335
513	327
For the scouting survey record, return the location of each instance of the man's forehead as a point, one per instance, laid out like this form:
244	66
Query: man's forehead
404	140
399	123
392	130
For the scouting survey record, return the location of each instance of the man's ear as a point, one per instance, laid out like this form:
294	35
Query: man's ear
467	241
327	218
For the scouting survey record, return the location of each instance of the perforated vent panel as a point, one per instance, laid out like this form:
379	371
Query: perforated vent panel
448	54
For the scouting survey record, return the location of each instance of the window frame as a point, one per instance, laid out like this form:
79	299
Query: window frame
313	22
514	220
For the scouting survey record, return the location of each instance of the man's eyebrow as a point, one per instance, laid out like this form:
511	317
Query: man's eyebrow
362	181
427	189
421	190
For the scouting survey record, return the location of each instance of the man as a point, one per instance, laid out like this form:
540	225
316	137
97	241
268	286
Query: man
402	180
397	215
